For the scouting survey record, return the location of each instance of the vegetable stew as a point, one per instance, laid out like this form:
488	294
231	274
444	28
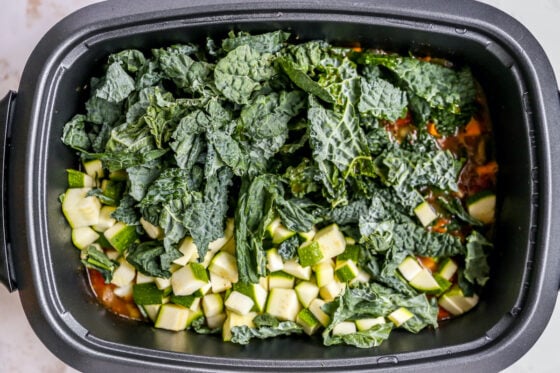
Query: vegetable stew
259	186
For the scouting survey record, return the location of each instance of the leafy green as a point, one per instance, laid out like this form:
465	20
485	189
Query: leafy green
373	300
116	85
188	74
146	258
437	92
266	326
126	211
288	248
476	260
241	71
98	260
253	214
302	178
264	43
132	60
75	135
303	81
382	100
205	218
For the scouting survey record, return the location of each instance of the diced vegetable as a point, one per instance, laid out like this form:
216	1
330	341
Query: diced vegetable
121	236
172	317
293	268
79	209
239	303
366	324
147	293
283	304
425	213
77	179
308	322
482	207
310	253
400	316
189	279
82	237
343	328
331	241
306	291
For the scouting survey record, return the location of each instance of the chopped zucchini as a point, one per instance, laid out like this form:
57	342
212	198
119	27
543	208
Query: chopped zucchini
77	179
308	236
219	284
147	293
212	304
280	279
324	273
278	232
82	237
456	303
121	236
366	324
424	281
283	304
233	319
188	301
123	291
162	283
224	265
346	270
113	190
308	322
229	247
351	252
293	268
94	168
309	253
400	316
332	290
106	219
124	274
151	310
344	327
306	291
153	231
254	291
409	268
425	213
216	321
189	251
189	279
142	278
447	268
80	210
274	261
316	308
118	175
172	317
239	303
331	241
482	206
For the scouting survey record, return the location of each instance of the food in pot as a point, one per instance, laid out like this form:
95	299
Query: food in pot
260	186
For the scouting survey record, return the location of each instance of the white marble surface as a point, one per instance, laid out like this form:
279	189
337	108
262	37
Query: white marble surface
22	23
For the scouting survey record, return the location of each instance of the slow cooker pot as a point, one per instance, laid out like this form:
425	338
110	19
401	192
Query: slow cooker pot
37	257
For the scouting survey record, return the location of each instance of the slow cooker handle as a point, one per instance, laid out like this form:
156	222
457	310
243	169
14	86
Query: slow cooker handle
7	274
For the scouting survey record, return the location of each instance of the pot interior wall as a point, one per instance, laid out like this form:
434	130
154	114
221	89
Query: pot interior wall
504	92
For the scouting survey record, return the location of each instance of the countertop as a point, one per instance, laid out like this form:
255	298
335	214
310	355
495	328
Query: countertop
22	23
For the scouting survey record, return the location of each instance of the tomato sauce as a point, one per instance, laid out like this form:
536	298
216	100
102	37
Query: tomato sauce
105	294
